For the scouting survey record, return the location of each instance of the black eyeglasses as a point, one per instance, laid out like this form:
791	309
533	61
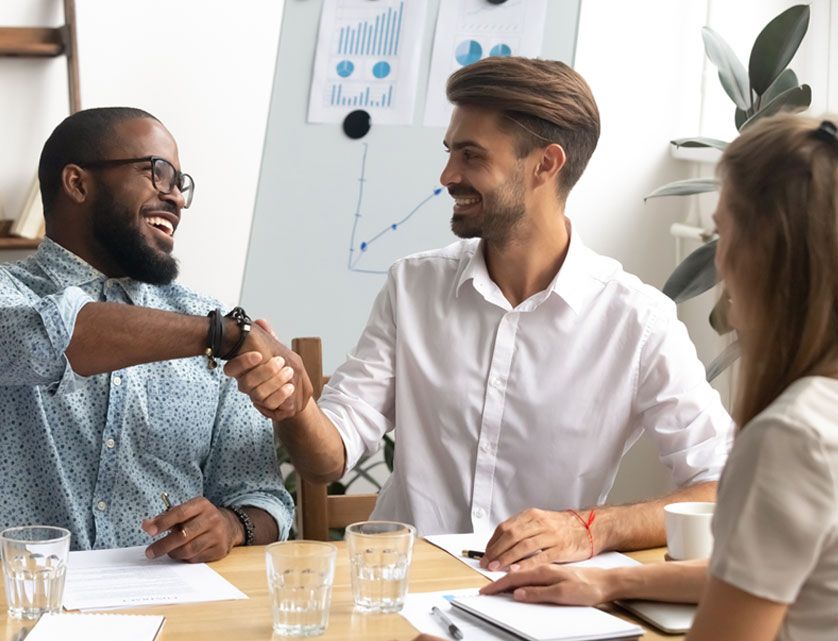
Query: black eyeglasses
164	176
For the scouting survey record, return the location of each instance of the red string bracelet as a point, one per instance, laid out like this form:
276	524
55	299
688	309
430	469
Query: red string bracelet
587	526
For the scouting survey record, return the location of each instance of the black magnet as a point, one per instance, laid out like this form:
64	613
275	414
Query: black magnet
357	124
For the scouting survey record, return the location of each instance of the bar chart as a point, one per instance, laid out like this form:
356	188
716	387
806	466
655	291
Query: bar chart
368	38
368	58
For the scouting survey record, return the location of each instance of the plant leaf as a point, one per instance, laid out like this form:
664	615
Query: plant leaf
785	81
792	100
695	275
739	118
389	451
720	314
685	187
723	360
715	143
776	45
732	73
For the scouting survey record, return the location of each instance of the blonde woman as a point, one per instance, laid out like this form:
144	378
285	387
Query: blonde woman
773	573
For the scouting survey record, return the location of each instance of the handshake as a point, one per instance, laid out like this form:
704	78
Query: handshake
267	371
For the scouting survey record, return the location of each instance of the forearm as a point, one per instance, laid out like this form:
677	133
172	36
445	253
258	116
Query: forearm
314	444
110	336
265	529
676	582
640	526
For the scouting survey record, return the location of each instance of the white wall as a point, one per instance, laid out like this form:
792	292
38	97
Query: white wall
203	67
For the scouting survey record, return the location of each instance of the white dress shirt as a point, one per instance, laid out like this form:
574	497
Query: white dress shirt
500	409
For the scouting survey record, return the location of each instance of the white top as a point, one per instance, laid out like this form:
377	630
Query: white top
776	521
501	409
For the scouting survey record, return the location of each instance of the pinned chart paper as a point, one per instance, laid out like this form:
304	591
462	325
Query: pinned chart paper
454	544
124	578
96	627
470	30
367	58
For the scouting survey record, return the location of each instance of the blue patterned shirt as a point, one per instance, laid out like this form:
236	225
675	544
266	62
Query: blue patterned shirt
92	454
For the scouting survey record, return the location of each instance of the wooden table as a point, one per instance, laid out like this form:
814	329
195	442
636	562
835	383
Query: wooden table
250	620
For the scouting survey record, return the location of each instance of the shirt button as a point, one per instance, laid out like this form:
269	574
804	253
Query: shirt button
110	443
101	506
117	380
497	382
478	513
486	448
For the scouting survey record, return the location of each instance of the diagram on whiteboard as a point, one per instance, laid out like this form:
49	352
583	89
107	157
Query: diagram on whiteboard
367	58
359	244
470	30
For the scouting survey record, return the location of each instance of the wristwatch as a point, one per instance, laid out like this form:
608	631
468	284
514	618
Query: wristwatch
246	522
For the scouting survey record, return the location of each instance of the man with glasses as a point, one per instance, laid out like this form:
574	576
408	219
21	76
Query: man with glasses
109	395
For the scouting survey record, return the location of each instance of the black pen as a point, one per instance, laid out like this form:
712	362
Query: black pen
446	623
473	554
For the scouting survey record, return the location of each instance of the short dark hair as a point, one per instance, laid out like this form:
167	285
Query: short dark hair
542	102
82	137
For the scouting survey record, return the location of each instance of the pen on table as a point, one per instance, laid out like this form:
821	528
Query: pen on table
446	623
473	554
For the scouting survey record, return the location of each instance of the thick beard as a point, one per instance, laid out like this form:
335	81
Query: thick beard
114	231
503	209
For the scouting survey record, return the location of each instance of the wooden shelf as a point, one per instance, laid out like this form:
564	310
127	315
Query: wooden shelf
39	42
11	242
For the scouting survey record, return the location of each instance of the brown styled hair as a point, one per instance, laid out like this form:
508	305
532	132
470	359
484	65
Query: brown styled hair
542	102
780	180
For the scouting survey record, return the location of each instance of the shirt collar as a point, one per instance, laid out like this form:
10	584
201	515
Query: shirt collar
569	284
66	269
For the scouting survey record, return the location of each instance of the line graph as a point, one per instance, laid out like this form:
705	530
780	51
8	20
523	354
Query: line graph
361	248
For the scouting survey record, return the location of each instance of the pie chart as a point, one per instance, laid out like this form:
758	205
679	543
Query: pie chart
468	52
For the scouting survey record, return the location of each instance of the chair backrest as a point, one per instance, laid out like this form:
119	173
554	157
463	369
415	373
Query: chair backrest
317	511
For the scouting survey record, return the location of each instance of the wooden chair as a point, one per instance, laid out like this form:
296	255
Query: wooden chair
317	511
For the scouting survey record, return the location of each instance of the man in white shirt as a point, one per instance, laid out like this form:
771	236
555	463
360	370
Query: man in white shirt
517	365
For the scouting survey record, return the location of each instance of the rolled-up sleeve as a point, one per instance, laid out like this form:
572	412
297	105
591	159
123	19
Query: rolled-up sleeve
242	467
360	396
685	415
34	335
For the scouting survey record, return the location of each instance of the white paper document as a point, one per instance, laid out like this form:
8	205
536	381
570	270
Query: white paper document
470	30
124	578
367	58
96	627
417	611
454	544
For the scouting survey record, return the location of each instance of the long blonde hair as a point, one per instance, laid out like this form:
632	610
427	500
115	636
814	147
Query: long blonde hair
780	179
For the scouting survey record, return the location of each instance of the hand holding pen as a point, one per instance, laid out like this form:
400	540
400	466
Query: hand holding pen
197	531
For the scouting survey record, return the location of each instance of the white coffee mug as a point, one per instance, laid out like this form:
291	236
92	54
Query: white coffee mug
688	533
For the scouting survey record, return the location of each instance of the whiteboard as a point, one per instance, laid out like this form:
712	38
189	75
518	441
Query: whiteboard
310	208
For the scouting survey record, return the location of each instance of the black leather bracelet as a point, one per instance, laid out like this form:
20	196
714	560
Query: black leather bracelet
244	324
247	523
215	335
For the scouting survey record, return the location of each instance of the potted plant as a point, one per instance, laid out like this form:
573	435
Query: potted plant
766	88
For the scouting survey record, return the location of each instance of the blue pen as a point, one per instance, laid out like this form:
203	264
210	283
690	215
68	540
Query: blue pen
446	623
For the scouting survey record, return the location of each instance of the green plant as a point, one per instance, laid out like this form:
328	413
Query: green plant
766	88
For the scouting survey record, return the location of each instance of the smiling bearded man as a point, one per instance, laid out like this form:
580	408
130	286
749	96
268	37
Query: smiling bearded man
105	399
517	366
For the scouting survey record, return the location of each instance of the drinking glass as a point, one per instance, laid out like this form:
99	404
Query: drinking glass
300	576
34	567
379	558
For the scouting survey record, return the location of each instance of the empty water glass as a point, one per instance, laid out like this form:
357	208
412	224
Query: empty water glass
34	567
379	558
300	576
